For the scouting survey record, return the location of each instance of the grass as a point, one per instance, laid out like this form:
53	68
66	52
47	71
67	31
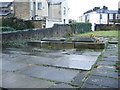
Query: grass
100	34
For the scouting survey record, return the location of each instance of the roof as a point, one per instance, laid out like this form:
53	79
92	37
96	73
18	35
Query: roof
107	11
54	1
4	13
5	4
103	11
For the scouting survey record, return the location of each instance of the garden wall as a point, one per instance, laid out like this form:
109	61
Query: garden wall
20	37
58	30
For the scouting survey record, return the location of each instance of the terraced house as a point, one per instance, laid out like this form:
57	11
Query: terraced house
99	15
51	11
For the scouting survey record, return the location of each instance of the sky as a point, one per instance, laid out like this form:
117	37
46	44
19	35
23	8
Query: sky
78	7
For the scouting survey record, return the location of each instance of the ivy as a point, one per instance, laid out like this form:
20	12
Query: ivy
81	27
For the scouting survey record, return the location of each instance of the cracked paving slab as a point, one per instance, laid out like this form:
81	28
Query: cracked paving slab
50	73
15	80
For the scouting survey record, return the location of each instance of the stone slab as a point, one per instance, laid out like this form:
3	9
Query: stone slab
92	53
12	66
85	45
80	78
106	63
15	80
15	57
109	59
108	82
105	73
113	42
76	61
107	68
86	85
38	60
61	86
50	73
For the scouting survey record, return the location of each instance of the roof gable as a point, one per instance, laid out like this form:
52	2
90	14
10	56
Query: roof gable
5	4
55	1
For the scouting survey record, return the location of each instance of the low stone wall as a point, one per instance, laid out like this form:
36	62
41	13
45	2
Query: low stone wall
106	27
19	37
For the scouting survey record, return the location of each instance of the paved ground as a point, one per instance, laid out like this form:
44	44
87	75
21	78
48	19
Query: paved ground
20	70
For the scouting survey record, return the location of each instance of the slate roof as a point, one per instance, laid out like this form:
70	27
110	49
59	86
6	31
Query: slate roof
104	11
4	13
5	4
107	11
54	1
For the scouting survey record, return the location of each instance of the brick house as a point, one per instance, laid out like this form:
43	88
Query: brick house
50	11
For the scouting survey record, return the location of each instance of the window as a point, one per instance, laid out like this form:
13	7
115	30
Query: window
39	5
64	10
110	16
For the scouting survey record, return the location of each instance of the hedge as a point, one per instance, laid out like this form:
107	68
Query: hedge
6	29
81	27
17	24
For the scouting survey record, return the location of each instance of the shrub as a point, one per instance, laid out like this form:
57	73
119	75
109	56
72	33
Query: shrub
6	29
81	27
18	24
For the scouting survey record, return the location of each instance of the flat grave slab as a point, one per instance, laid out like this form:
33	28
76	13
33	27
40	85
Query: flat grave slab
76	61
12	66
92	53
50	73
15	80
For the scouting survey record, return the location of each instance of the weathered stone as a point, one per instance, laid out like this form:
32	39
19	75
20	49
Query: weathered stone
45	44
85	45
105	73
109	59
12	66
113	42
76	61
80	78
39	60
15	80
68	45
92	53
108	82
50	73
84	39
56	45
107	68
92	86
106	63
61	86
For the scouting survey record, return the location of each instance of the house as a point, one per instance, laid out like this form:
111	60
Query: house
57	12
31	9
100	16
6	9
50	11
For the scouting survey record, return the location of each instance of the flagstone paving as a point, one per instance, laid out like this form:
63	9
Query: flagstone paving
59	69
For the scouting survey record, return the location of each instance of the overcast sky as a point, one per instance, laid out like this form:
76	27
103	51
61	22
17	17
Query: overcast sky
78	7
